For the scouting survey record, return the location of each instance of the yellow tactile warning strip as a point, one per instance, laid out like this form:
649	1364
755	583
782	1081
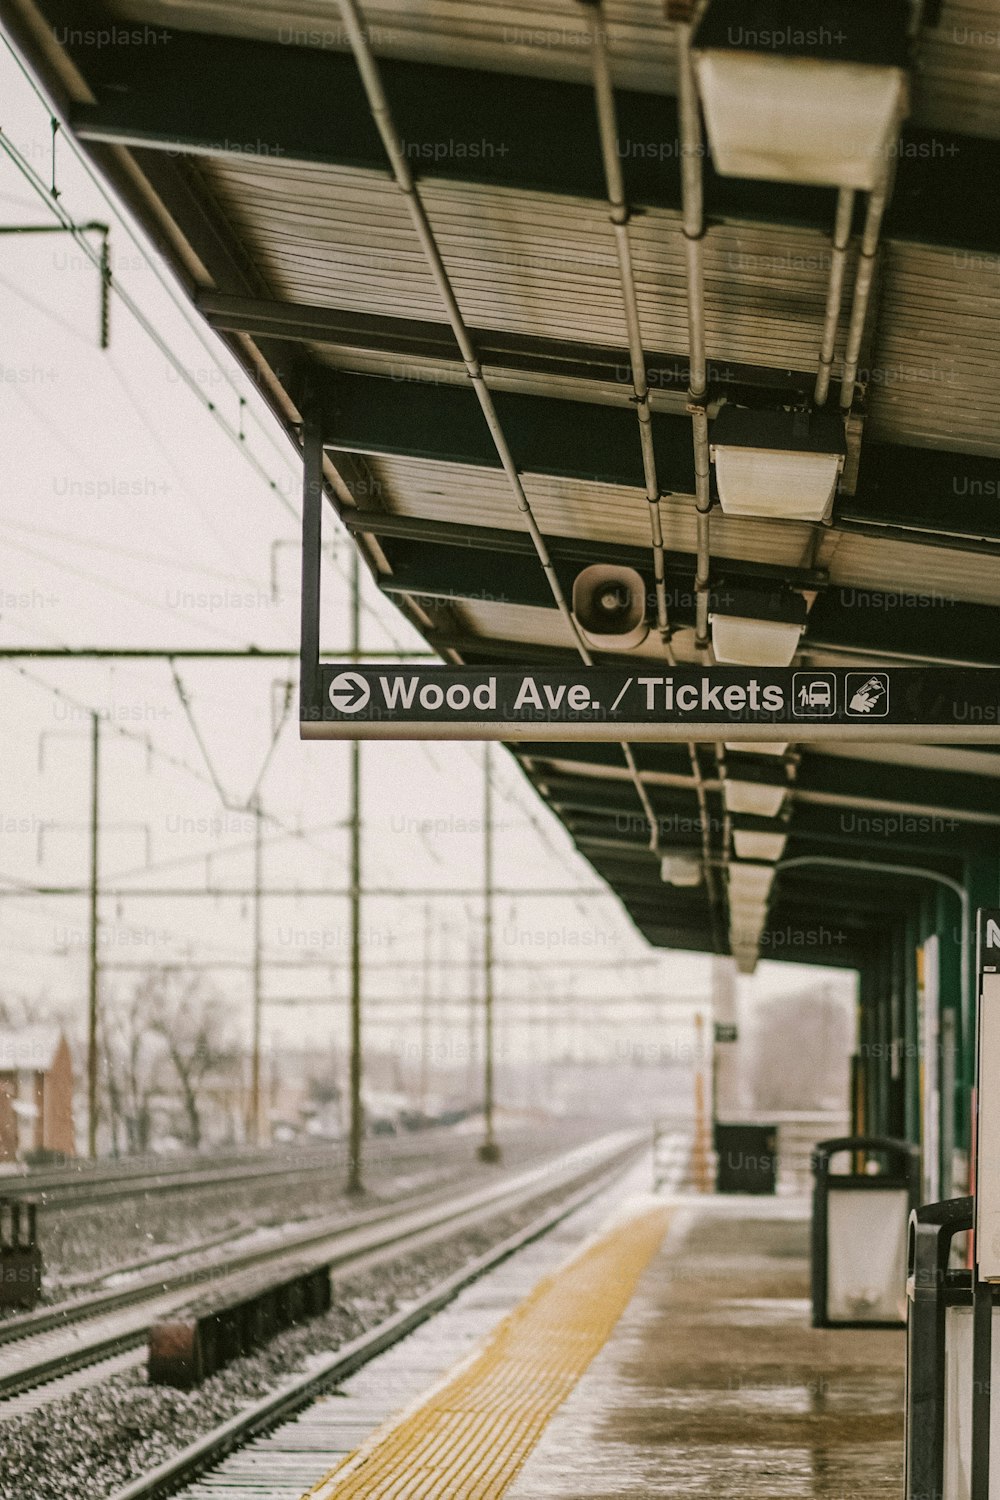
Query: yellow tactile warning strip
470	1436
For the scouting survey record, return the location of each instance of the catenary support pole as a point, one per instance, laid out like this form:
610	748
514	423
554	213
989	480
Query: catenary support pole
489	1150
355	1174
425	1011
93	996
255	1131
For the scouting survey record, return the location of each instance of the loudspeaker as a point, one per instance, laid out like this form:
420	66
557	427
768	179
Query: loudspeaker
610	606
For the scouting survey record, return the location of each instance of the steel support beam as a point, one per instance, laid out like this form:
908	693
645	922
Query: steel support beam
903	494
943	804
418	340
190	96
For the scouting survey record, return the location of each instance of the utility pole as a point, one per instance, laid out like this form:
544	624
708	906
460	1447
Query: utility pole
255	1132
425	1011
489	1151
355	1179
472	1073
550	1045
93	998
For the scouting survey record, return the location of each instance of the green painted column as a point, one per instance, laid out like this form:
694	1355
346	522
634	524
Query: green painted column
982	882
931	1059
908	935
896	1062
871	1002
954	1096
884	1049
884	1075
867	985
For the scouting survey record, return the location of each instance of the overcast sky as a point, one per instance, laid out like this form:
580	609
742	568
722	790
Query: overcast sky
129	517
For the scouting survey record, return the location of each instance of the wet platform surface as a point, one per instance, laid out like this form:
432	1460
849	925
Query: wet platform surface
713	1384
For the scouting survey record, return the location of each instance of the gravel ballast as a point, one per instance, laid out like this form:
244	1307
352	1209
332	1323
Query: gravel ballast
101	1237
93	1443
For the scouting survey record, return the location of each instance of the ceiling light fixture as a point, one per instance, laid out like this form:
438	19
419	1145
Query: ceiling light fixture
761	799
752	629
755	747
810	91
780	465
759	844
747	957
750	883
681	870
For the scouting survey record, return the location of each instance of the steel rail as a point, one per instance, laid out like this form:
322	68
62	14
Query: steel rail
84	1189
331	1245
280	1405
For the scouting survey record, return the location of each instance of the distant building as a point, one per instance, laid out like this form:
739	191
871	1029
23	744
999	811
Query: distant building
36	1093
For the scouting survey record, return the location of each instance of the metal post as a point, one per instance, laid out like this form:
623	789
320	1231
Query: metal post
489	1151
982	1345
355	1182
312	543
255	1131
701	1144
93	998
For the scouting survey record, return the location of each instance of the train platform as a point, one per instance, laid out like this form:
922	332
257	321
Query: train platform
669	1355
714	1384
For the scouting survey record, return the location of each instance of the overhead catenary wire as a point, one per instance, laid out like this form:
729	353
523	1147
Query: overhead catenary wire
50	313
82	458
185	703
66	223
335	560
150	258
286	708
145	741
184	374
115	587
134	554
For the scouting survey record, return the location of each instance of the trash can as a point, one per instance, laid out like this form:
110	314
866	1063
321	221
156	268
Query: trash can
859	1231
746	1158
938	1350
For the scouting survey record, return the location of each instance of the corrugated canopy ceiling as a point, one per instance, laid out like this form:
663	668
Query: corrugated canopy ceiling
241	135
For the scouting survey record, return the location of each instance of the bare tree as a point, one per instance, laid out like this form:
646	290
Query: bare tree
166	1038
192	1022
133	1056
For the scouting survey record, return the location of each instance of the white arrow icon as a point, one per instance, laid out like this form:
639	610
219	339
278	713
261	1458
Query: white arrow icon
349	692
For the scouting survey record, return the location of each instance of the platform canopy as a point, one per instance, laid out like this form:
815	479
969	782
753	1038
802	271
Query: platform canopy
343	192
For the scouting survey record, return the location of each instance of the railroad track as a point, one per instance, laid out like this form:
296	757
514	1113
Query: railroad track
96	1187
46	1348
281	1406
